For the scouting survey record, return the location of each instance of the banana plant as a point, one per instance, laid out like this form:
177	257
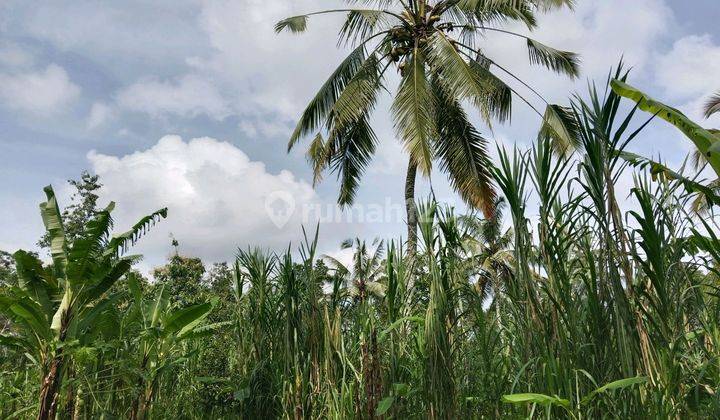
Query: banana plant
162	338
547	401
706	141
52	305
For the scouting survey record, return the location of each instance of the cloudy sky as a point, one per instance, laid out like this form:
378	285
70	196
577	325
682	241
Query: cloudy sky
189	103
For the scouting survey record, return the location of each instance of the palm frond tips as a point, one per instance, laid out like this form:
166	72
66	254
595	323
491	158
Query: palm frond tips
317	156
351	150
561	128
360	24
712	105
359	96
295	24
463	155
559	61
470	80
319	107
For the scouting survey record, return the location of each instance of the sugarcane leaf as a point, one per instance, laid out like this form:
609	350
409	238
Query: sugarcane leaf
615	385
532	398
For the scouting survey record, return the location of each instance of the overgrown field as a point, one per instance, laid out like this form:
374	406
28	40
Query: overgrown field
590	311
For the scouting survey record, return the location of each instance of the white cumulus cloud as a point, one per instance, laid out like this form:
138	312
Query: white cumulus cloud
215	194
691	68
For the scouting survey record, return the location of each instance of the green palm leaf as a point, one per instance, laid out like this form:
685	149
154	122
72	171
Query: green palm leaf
413	112
565	62
712	105
349	154
319	107
469	80
294	24
358	97
561	128
463	155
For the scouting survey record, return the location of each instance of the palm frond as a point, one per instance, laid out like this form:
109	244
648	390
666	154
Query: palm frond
352	149
559	61
712	105
560	126
319	107
359	95
294	24
360	24
469	80
413	112
463	153
317	155
477	12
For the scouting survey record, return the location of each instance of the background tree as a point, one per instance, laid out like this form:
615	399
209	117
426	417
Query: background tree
183	277
82	208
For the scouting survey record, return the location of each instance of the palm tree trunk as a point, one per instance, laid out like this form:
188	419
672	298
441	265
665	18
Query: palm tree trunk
411	209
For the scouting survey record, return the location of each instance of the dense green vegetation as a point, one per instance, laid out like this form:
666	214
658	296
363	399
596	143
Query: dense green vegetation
591	311
566	300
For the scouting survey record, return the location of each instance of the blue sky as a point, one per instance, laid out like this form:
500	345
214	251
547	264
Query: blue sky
189	104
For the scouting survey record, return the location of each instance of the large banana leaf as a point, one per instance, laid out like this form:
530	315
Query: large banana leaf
658	170
707	143
120	268
52	219
184	319
32	278
120	243
26	312
203	330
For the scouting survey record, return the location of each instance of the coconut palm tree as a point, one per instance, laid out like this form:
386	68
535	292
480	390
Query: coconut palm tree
491	258
364	277
436	47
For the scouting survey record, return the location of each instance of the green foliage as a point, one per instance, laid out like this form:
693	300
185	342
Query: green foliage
589	310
